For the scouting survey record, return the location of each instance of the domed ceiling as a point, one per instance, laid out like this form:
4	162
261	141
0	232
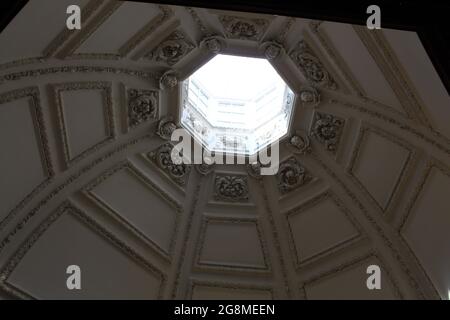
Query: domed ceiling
87	178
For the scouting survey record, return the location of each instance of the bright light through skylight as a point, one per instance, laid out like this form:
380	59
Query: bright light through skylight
236	104
220	76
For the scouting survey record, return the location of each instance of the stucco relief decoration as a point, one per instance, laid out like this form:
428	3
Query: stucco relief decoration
311	67
292	175
299	143
142	106
231	188
254	170
309	96
168	80
172	49
213	44
272	50
327	129
166	126
243	28
162	158
204	168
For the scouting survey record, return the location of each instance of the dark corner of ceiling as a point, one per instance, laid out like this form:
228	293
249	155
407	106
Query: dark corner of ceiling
8	10
427	18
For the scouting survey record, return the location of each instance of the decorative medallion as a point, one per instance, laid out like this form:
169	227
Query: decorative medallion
172	49
166	126
299	143
168	80
244	28
254	170
327	129
213	44
311	67
292	175
204	168
231	188
272	50
161	157
142	106
309	96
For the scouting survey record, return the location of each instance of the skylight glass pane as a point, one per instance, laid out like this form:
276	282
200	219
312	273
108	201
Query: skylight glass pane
236	104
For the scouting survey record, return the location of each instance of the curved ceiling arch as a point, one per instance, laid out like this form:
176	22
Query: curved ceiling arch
89	173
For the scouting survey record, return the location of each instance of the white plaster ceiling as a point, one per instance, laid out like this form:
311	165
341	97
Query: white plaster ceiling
84	181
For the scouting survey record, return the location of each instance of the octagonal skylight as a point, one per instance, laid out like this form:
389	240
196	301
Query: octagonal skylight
235	104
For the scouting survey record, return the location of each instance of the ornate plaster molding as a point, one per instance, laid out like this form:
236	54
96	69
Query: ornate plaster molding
292	175
204	168
166	126
231	188
311	66
327	130
20	75
171	49
272	50
309	96
168	80
214	44
161	157
299	143
244	28
143	105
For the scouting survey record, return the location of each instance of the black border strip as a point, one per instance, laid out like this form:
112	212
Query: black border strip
429	18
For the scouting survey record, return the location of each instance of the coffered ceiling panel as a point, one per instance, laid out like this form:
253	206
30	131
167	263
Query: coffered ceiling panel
378	164
24	155
426	229
350	283
416	64
318	227
86	119
133	198
107	267
368	78
107	38
217	232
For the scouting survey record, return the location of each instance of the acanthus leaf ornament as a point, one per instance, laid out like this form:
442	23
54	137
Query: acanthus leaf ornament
299	143
327	129
213	44
168	80
204	168
172	49
162	158
311	67
166	126
254	170
231	188
292	175
272	50
309	96
244	28
142	106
